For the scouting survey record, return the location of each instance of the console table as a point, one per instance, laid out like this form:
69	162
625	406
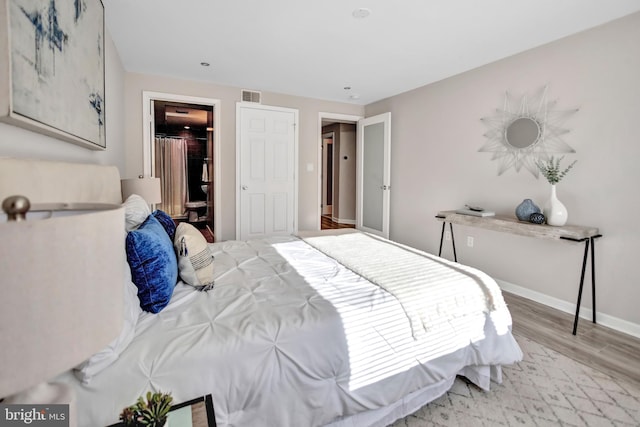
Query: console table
512	225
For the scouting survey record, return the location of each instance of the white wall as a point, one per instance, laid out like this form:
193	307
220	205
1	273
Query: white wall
309	131
17	142
436	134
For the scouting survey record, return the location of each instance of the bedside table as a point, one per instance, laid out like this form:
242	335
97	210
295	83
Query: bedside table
198	412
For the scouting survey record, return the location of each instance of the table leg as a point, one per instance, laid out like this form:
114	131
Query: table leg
453	243
584	266
593	277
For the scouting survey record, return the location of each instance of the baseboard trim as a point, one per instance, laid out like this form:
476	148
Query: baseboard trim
603	319
343	221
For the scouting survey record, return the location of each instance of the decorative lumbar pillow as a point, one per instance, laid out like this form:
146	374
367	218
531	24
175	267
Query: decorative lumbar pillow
195	260
166	221
136	210
154	268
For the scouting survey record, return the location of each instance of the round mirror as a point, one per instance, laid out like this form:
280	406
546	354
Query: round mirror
522	132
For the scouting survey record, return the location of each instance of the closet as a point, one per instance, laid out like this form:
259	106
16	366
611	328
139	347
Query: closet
183	159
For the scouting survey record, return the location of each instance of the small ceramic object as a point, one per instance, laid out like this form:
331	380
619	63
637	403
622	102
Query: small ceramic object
537	218
525	209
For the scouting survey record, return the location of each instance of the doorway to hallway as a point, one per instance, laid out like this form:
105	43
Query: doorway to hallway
337	171
371	166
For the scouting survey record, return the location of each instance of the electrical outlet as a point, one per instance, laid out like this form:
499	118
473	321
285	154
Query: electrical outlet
447	235
470	241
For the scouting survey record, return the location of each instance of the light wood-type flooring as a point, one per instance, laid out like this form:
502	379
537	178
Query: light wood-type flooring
596	346
326	223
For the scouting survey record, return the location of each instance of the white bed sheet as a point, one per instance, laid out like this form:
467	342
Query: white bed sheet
289	337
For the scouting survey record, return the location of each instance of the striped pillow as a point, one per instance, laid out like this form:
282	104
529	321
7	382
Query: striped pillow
195	260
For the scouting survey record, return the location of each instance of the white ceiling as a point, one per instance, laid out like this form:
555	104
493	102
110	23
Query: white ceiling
317	48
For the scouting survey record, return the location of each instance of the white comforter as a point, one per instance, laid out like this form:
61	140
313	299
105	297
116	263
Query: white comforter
290	337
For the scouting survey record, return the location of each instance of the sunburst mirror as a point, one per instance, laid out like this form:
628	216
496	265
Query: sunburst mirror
525	130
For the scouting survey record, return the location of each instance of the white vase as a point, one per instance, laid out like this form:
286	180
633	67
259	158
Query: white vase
554	211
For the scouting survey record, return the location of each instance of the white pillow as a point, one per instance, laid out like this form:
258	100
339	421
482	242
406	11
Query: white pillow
195	260
105	357
136	210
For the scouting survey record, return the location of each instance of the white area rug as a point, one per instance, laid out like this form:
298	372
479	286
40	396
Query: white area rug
545	389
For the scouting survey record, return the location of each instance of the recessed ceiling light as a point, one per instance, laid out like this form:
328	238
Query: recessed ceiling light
205	64
354	96
347	88
362	12
187	127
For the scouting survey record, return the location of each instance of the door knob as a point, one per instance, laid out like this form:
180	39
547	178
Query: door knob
244	187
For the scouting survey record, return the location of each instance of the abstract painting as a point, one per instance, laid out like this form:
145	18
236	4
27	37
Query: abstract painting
57	83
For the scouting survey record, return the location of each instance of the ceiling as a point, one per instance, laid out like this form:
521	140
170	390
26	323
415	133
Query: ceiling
318	49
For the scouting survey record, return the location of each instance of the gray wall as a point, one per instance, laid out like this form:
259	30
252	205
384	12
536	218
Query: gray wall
436	134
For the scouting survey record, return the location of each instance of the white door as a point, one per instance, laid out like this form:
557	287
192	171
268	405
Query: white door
267	164
373	174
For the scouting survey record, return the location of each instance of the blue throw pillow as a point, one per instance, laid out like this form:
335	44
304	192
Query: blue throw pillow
166	221
154	267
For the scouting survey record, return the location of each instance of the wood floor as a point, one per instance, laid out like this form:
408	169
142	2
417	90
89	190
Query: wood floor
326	223
599	347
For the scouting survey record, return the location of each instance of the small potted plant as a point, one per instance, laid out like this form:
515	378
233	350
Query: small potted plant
551	169
554	211
150	413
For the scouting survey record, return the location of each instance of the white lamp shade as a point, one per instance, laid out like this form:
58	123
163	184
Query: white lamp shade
62	293
148	188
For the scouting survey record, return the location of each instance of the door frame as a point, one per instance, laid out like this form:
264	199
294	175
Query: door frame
239	106
346	118
148	150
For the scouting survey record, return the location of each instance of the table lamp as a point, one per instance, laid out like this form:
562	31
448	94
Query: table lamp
146	187
61	273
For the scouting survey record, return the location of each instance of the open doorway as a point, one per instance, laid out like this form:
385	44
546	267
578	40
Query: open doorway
372	157
337	171
182	149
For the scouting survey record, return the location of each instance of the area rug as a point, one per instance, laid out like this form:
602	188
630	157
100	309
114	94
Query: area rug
545	389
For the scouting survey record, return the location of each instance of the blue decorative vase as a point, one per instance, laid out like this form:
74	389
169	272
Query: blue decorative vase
525	209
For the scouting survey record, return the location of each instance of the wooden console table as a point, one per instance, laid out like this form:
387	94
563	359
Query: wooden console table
511	225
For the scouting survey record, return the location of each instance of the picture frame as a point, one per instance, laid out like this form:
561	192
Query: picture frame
52	69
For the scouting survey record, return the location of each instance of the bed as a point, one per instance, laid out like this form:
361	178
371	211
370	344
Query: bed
340	329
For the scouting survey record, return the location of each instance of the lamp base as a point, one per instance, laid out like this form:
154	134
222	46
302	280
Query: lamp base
47	393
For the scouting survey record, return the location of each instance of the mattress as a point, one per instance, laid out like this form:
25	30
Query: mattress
291	337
